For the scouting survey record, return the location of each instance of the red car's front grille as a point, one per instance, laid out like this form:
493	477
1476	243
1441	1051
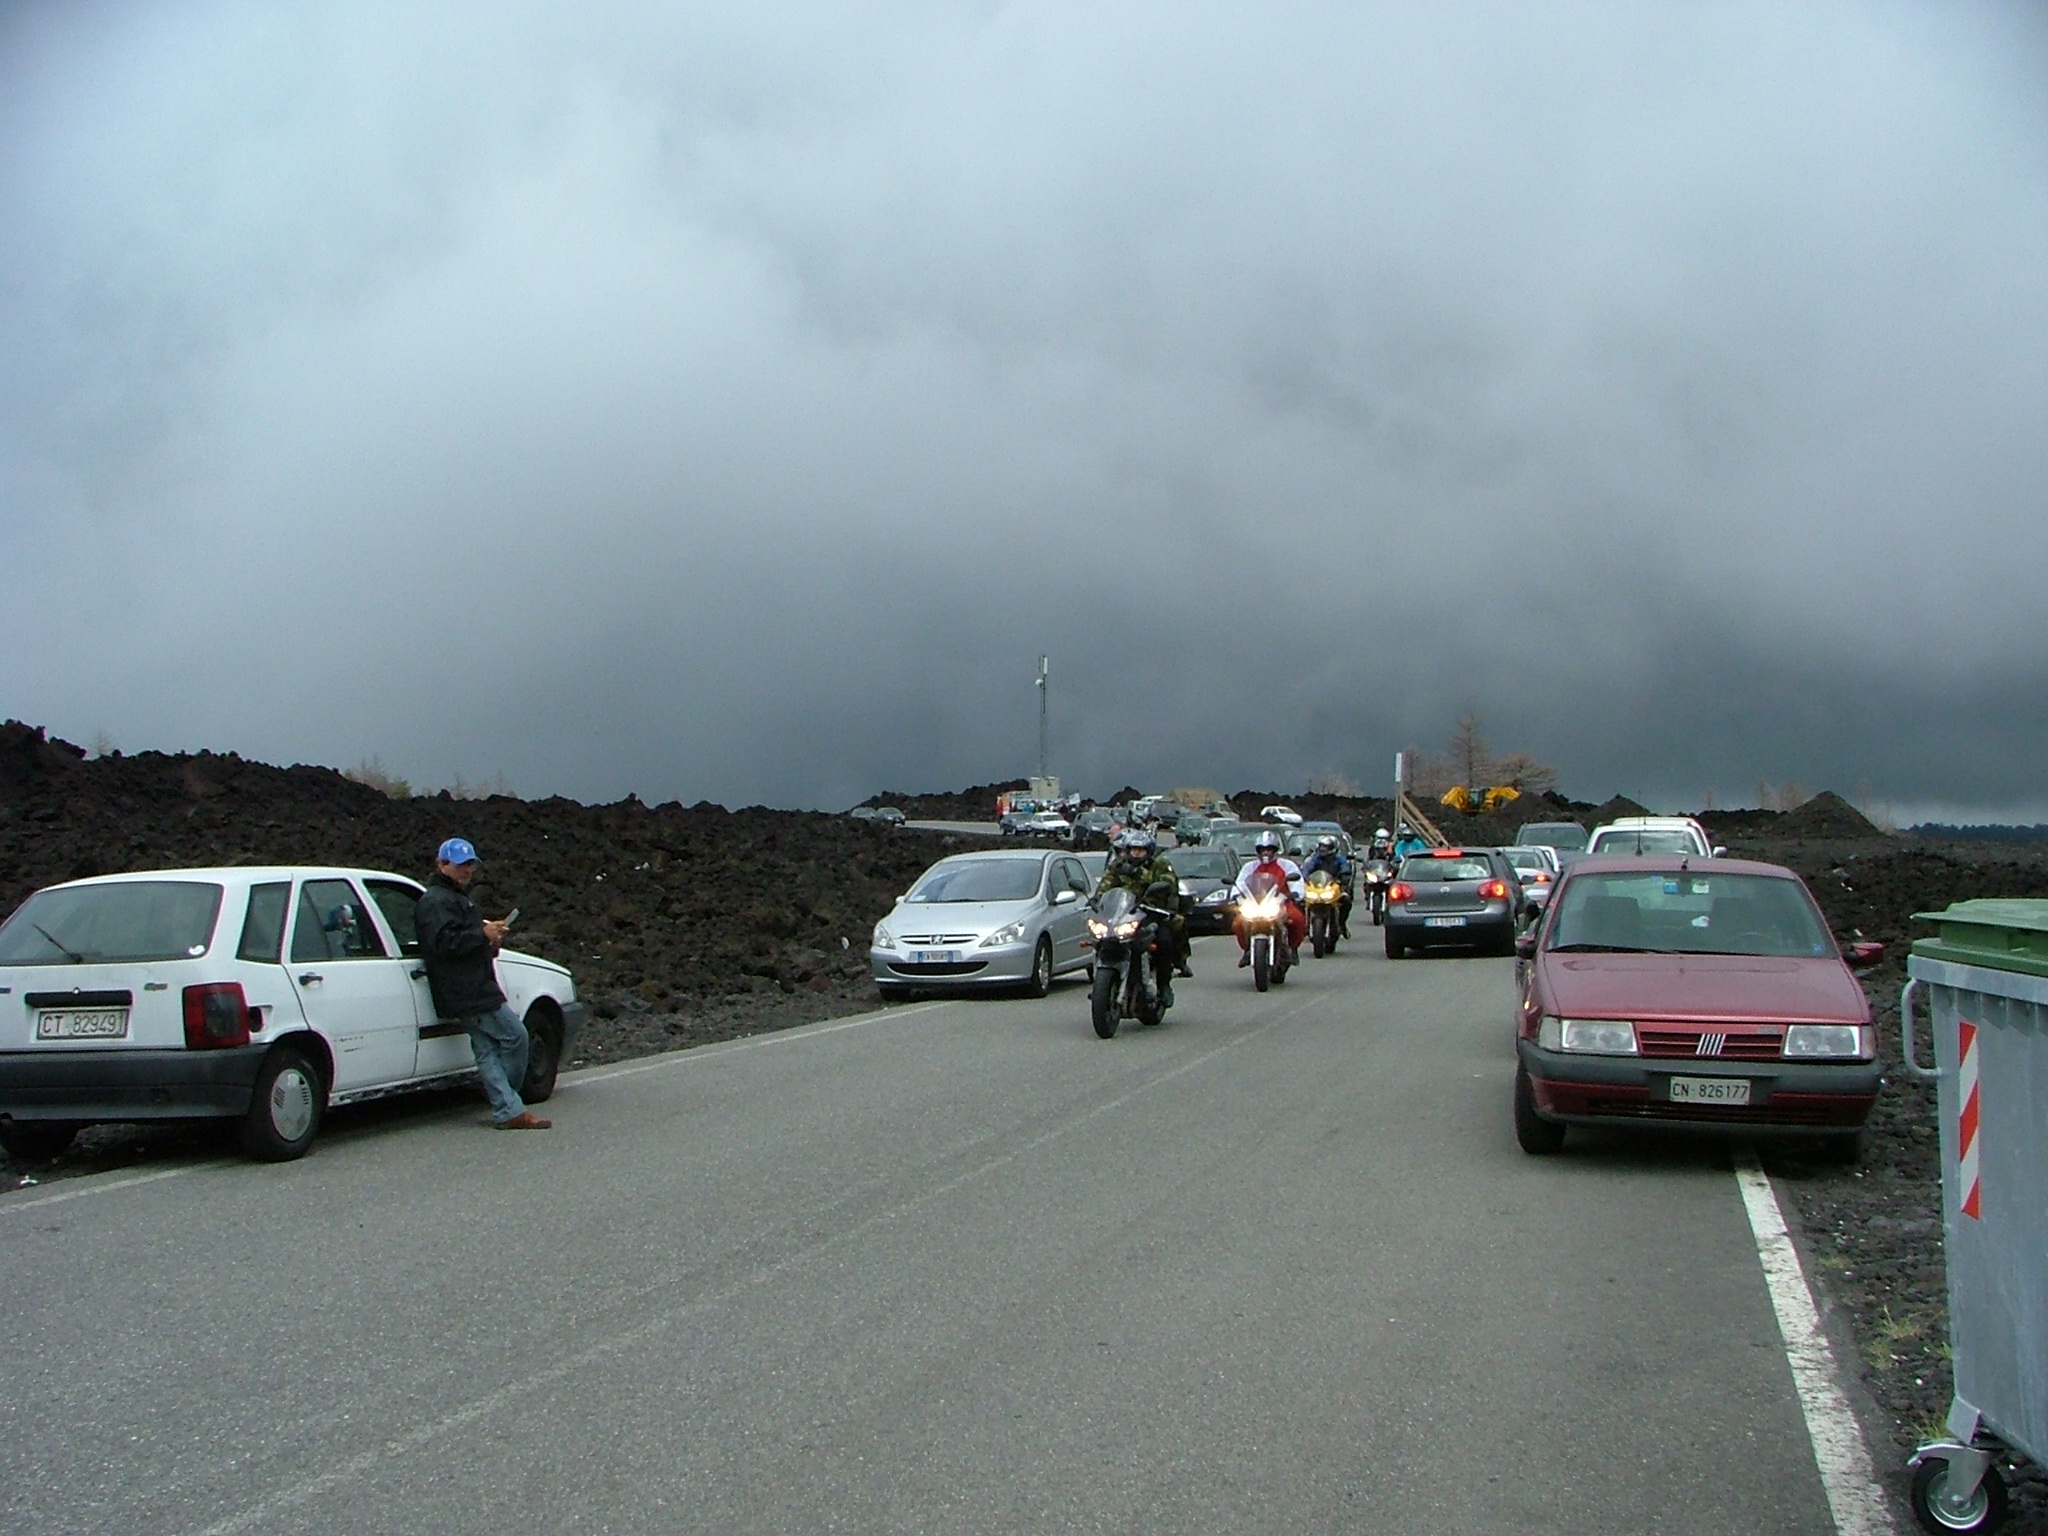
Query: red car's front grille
1710	1044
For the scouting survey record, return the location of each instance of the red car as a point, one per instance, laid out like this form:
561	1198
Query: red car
1691	993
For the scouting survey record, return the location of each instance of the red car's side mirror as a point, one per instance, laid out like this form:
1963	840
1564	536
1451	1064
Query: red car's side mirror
1525	946
1863	954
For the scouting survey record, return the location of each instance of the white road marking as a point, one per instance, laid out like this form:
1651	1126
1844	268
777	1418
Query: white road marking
1854	1497
102	1186
306	1491
750	1042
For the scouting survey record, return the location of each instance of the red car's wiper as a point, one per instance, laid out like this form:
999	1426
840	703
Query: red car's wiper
1602	949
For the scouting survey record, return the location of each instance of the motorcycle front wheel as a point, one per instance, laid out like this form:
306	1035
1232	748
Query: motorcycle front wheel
1262	962
1103	1003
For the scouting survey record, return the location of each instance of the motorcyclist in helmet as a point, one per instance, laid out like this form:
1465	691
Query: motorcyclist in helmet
1410	841
1135	865
1382	845
1328	855
1288	875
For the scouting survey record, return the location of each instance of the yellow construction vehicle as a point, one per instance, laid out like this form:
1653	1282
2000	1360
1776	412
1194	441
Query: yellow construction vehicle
1475	801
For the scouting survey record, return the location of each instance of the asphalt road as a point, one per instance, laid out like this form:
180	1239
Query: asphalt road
1275	1267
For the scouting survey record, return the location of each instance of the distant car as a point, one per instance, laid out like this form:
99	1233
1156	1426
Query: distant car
1564	836
1045	824
1238	837
1462	897
1669	991
1299	842
862	813
1537	864
1652	834
1206	878
1331	828
890	814
1280	813
1191	828
998	918
262	996
1093	826
1092	865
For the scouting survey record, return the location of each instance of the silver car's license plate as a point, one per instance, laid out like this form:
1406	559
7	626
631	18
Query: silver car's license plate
1443	922
82	1024
935	957
1710	1090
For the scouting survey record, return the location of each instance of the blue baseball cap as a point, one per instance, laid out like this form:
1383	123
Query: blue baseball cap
457	850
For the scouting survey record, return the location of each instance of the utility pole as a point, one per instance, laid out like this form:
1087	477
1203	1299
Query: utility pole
1044	690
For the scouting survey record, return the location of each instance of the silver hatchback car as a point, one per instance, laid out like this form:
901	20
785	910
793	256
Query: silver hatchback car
998	918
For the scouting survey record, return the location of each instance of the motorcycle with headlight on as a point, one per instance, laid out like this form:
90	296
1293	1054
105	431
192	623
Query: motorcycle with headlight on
1378	876
1263	911
1133	952
1324	898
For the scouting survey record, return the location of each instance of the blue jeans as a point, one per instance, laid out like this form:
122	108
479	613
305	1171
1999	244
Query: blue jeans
498	1041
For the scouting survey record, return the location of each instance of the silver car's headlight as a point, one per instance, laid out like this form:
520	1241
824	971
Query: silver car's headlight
1591	1037
1836	1042
883	938
1009	933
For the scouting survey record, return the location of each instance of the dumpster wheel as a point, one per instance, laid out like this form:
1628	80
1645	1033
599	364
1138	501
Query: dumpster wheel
1984	1510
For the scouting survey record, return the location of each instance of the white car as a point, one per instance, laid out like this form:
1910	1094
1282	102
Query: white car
1537	865
259	995
1652	834
1286	814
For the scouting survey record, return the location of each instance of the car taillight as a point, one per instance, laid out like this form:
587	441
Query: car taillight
216	1016
1493	890
1401	892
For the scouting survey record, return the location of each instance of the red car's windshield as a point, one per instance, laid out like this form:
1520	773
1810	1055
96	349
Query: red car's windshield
1688	913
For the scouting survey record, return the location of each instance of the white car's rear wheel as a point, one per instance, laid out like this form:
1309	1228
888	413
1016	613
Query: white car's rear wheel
285	1108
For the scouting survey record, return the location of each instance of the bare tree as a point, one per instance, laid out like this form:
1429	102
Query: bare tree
1470	754
1525	773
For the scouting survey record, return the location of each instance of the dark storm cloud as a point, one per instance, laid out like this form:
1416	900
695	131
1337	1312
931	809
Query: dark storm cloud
711	401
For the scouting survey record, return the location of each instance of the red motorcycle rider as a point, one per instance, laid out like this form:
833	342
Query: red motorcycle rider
1283	874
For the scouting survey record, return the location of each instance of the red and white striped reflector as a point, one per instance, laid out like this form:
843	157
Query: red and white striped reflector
1967	1120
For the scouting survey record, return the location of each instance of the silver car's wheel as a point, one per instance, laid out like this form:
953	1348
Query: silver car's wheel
1041	968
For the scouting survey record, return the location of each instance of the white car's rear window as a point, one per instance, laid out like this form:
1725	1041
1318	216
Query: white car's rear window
121	921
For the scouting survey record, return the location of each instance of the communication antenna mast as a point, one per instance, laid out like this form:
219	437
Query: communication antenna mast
1044	690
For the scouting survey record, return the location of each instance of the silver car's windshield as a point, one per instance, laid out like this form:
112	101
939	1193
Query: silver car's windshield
1426	867
127	920
1660	841
980	880
1688	913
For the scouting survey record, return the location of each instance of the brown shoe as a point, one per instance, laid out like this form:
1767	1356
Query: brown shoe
526	1120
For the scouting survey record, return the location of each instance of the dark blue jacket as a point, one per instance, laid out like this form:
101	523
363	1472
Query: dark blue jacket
460	961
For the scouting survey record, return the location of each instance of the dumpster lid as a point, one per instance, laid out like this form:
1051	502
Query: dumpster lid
2007	934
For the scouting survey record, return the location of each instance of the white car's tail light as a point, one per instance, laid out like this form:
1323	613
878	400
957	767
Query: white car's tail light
216	1016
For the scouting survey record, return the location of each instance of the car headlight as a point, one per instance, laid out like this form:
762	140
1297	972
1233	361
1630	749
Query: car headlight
1591	1037
1217	897
1009	933
1839	1042
883	938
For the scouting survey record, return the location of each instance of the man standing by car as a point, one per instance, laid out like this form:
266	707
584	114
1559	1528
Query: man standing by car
460	951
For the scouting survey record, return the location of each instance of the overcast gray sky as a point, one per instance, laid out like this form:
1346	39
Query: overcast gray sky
734	401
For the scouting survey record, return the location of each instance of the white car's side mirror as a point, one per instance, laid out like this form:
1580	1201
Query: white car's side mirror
1720	853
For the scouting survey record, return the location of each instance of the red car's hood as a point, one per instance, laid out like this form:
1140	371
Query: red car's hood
1726	988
